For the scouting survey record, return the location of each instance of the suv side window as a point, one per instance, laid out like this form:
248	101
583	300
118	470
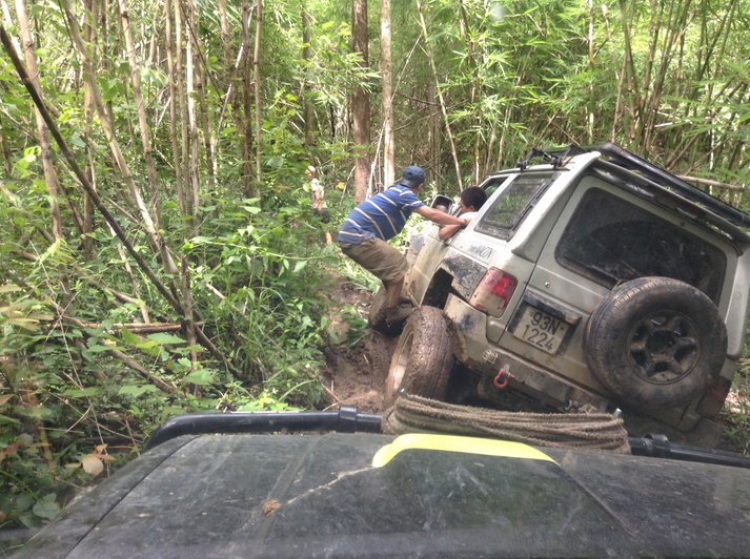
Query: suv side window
612	241
509	209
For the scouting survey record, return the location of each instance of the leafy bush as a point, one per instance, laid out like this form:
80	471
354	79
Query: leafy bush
80	391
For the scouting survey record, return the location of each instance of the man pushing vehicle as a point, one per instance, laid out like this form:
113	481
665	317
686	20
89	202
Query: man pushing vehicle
364	235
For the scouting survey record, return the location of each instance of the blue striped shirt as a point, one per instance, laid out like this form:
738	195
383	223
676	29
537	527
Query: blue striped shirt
382	216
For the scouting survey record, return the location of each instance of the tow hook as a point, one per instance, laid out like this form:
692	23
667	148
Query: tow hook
502	378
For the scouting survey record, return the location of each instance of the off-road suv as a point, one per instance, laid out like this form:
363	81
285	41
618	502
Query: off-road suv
592	281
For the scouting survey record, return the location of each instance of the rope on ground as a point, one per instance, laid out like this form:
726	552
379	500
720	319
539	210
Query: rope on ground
590	431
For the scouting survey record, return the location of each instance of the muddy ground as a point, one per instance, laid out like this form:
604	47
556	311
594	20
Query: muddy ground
355	374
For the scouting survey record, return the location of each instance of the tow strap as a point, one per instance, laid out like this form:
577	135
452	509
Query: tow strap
591	431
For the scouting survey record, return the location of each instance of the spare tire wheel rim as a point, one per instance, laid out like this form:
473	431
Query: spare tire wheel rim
398	370
663	347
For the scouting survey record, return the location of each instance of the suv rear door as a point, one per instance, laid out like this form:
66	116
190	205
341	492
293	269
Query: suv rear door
605	236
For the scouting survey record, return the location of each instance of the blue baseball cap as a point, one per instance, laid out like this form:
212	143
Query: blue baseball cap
413	176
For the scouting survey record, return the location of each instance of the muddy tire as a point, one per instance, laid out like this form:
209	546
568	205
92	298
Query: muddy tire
656	341
423	358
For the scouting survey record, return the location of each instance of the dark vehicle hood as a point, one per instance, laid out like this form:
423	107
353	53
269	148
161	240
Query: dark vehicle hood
321	495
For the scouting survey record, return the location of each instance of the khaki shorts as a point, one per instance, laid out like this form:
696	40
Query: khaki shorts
378	257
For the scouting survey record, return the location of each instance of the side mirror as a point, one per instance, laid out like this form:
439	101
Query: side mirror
443	203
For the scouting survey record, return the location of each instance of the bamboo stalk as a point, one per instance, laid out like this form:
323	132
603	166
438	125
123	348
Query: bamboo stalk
193	141
141	109
134	327
256	89
151	228
65	151
441	99
171	72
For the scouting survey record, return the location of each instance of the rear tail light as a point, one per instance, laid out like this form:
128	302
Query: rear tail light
493	293
715	397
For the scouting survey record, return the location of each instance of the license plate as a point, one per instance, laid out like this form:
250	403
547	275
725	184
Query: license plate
541	330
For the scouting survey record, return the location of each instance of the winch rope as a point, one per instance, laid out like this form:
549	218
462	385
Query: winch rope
591	431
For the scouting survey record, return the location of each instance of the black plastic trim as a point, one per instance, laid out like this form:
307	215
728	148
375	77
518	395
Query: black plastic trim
346	420
659	446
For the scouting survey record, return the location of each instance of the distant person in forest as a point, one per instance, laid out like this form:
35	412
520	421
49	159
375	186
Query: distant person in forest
317	192
364	235
471	200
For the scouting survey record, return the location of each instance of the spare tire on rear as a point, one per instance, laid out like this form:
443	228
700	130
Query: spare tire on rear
423	359
656	341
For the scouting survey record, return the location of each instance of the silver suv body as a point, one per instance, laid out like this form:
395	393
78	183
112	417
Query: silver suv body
595	281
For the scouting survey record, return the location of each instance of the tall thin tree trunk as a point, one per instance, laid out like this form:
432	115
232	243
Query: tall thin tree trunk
634	97
475	87
226	37
208	139
4	149
194	157
307	108
443	108
434	133
135	76
247	144
256	88
360	102
187	200
173	101
232	62
89	110
187	297
389	147
154	234
50	175
92	17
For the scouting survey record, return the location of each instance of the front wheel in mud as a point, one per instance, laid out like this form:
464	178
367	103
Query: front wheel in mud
423	359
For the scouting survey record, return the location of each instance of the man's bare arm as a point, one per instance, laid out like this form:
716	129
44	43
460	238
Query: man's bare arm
441	218
448	231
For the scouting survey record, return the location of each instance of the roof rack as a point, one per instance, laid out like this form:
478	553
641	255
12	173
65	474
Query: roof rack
627	160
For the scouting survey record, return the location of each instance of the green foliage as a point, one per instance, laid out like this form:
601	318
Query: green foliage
270	273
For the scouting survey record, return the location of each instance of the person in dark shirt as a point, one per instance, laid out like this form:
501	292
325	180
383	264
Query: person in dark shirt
363	236
471	200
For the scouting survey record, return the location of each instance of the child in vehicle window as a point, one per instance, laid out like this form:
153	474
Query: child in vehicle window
471	200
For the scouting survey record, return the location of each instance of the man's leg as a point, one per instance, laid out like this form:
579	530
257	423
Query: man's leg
393	292
388	265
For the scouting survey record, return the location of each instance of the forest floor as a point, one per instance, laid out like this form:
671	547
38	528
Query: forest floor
355	374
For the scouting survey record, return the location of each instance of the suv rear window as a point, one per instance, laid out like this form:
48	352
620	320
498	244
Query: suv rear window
612	241
509	209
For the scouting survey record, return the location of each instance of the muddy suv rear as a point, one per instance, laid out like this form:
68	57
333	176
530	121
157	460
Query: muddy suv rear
593	282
